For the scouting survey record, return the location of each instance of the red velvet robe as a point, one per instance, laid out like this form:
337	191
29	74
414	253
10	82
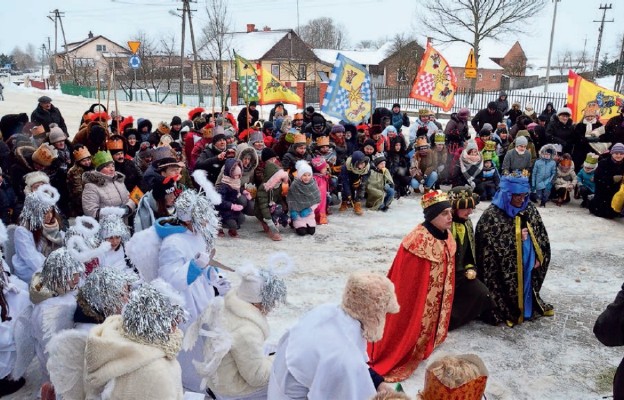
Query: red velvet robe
423	273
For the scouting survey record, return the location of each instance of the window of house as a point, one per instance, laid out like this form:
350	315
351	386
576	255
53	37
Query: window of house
206	71
401	75
100	47
302	72
275	70
493	77
480	77
84	62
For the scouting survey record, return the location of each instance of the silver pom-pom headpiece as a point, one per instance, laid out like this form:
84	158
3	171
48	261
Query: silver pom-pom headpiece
105	291
59	269
112	224
266	285
199	209
150	315
37	204
87	228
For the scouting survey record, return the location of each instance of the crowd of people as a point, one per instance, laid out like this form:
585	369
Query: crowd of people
111	283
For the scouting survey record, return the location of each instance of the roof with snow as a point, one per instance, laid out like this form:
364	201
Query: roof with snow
456	54
70	47
364	57
250	45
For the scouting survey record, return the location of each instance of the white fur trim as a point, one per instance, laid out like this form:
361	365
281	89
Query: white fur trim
34	177
47	194
201	178
80	250
86	226
4	234
104	211
280	175
281	263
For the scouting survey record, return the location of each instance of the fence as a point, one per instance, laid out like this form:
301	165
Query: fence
474	101
190	98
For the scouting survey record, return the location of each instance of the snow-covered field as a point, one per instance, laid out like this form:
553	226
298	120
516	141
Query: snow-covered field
551	358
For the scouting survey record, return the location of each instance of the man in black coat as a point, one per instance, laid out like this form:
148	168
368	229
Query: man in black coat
608	178
243	122
609	329
489	115
212	158
614	129
46	113
560	130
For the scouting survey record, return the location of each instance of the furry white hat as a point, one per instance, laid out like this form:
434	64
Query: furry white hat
34	177
265	286
303	168
112	223
368	297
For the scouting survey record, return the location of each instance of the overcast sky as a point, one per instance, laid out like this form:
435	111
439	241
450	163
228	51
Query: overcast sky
25	21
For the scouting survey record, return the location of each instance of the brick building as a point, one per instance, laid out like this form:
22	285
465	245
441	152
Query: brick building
514	62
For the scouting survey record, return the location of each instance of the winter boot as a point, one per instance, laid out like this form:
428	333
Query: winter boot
221	233
233	232
357	208
322	219
577	192
47	391
265	227
275	236
343	206
9	386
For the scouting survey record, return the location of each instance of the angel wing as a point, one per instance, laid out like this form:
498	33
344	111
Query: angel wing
9	247
24	342
66	363
142	251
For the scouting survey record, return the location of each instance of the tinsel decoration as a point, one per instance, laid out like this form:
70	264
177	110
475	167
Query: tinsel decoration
36	205
105	292
112	224
274	289
59	269
87	228
150	315
197	209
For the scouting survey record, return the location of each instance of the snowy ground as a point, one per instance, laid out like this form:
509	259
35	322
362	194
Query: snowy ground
551	358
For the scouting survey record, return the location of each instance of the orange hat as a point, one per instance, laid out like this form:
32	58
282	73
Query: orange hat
297	116
299	139
163	128
81	153
115	143
207	131
322	141
45	155
421	143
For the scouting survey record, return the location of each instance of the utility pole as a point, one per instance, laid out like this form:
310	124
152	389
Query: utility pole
199	91
181	100
619	70
600	30
552	36
43	49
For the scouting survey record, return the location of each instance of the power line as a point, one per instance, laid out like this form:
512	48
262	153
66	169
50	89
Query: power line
600	30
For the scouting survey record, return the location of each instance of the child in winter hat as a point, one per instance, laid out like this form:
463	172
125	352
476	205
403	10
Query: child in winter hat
230	209
586	186
303	198
114	230
517	159
323	181
380	188
565	180
35	179
544	172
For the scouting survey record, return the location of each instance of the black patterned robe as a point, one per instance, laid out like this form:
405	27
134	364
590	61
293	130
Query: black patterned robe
499	260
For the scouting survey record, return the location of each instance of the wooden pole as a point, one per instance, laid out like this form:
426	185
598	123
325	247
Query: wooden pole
214	93
115	94
181	100
197	72
97	76
109	89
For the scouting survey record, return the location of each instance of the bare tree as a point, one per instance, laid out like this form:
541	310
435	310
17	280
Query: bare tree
368	44
22	59
323	33
579	61
407	55
216	41
473	21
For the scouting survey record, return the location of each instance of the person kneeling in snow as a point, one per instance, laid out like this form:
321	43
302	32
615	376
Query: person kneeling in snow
323	355
303	198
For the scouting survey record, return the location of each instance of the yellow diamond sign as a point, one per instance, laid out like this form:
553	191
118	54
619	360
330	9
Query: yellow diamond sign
470	69
134	46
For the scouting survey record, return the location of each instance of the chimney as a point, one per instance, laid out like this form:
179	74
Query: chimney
251	27
266	28
90	35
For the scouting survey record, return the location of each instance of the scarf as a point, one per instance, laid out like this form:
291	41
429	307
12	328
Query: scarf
303	195
470	166
358	171
231	182
52	238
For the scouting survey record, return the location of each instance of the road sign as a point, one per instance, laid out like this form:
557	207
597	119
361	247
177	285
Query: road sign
134	46
134	62
470	69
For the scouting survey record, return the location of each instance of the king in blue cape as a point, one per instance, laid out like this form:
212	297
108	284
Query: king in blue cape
513	252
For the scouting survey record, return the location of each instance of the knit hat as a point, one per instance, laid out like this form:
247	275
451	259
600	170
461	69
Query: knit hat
531	126
112	224
396	105
56	134
163	187
268	125
423	112
617	148
255	137
337	128
375	130
591	161
267	153
303	167
439	138
151	312
319	164
176	121
101	158
58	270
218	136
265	286
522	141
491	105
144	150
37	204
433	203
471	145
564	110
35	177
463	113
485	132
45	155
104	291
367	298
487	126
378	157
81	153
318	120
461	198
